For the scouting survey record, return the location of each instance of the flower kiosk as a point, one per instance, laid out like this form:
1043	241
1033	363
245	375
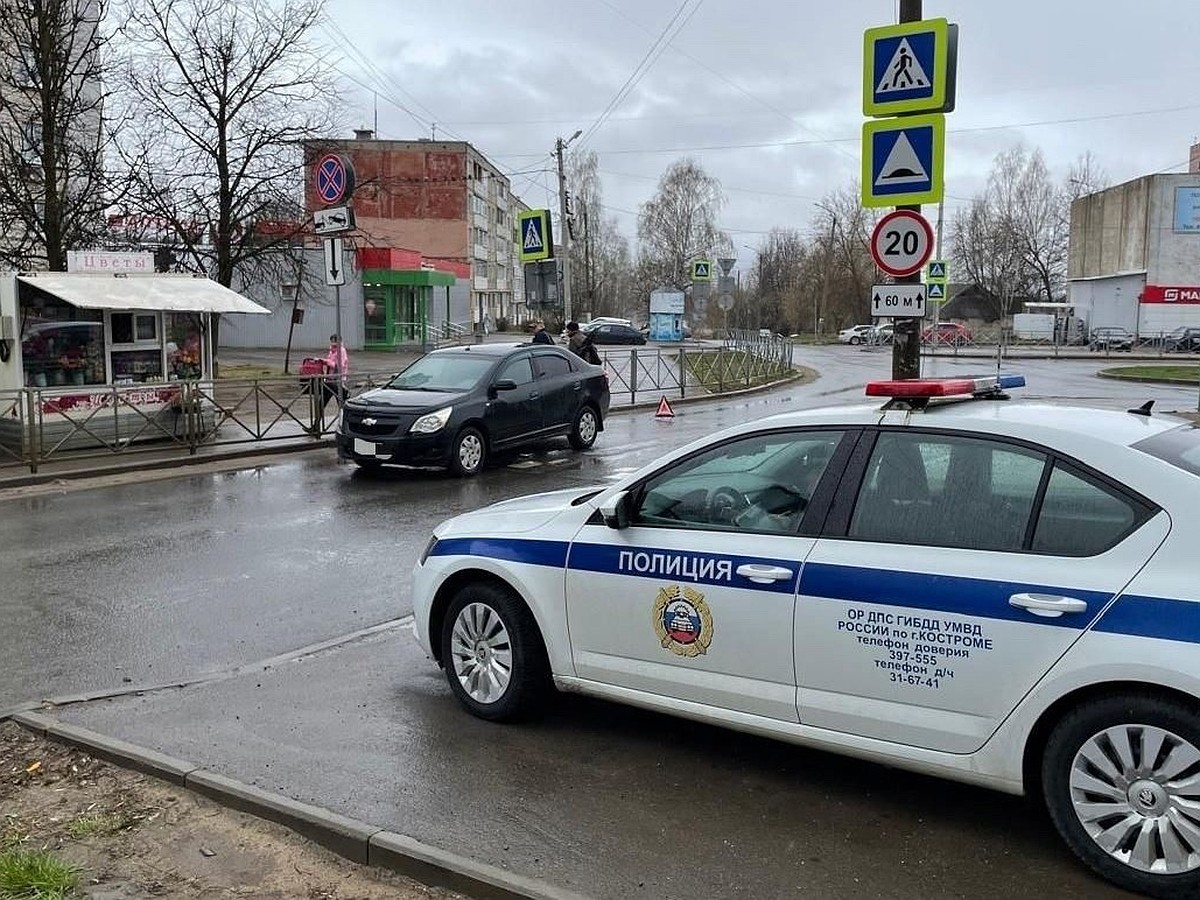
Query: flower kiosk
91	360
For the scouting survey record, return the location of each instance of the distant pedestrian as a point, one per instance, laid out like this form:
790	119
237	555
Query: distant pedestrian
337	367
581	345
541	335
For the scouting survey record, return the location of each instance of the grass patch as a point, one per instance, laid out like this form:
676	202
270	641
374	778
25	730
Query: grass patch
35	875
730	369
100	824
1173	374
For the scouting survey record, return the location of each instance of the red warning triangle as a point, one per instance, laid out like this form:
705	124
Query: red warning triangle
664	410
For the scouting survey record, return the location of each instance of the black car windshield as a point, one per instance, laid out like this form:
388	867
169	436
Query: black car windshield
452	372
1179	446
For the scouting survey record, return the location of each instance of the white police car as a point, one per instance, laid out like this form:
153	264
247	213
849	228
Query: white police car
1001	593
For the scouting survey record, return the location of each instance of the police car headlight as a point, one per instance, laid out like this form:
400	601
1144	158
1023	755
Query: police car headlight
433	422
428	549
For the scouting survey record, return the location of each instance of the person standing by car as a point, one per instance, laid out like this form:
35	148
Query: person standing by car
540	335
581	345
337	367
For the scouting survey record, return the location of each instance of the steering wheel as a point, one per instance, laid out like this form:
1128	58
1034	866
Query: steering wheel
725	504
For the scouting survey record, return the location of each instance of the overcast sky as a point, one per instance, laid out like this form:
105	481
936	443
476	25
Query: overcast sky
766	94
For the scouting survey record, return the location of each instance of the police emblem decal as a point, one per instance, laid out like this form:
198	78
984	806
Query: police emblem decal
683	621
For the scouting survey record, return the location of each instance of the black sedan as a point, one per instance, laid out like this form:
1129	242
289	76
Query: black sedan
1183	340
611	333
455	407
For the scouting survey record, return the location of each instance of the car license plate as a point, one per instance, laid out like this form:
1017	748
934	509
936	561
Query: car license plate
364	448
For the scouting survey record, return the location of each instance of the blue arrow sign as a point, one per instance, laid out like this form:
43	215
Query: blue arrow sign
903	160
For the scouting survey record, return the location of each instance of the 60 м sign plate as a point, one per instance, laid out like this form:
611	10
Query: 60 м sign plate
900	301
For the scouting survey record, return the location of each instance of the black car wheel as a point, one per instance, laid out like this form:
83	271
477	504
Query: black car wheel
493	653
1120	781
854	341
469	452
585	428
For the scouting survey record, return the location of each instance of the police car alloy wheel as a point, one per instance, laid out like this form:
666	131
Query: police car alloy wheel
1122	782
493	655
584	429
469	452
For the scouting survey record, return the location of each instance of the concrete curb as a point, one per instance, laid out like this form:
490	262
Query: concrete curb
350	838
1143	379
123	468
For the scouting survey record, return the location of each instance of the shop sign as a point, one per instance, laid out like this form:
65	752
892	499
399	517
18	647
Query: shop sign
109	261
1157	293
84	403
1187	210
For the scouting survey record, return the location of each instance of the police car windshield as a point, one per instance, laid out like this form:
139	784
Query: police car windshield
452	372
1179	446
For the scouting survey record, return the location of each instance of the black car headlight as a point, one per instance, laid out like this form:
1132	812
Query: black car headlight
433	422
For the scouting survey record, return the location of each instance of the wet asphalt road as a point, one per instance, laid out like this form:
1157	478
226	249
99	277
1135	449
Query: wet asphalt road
156	582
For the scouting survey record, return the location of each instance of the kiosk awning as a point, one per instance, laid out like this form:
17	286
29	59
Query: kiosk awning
168	293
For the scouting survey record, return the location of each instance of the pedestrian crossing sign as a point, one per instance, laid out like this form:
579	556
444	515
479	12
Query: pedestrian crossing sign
935	291
702	270
909	68
936	272
535	239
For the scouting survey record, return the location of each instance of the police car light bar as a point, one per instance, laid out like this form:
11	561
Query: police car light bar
913	388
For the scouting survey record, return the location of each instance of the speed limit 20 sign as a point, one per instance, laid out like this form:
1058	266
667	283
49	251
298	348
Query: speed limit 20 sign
902	243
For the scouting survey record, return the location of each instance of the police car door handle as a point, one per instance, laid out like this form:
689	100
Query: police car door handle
1048	605
763	574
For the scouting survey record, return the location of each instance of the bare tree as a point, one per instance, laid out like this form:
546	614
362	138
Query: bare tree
54	130
842	230
601	268
1012	239
233	89
679	224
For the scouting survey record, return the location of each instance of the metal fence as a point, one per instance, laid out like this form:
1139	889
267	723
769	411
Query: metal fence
1161	344
48	425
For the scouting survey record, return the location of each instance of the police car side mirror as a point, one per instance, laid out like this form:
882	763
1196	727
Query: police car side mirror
615	510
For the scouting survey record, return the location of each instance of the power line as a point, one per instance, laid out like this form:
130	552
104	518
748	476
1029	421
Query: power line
643	66
733	84
846	140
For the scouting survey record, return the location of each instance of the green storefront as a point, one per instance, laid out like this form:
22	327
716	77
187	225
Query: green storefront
397	306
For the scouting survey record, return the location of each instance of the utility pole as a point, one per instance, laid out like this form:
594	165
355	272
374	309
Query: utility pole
906	333
828	273
560	147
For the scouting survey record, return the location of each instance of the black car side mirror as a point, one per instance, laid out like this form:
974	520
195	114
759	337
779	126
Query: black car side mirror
504	384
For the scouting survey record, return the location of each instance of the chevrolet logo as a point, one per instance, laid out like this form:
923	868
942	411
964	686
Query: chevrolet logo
370	421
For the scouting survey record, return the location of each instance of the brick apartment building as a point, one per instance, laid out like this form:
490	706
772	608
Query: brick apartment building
443	199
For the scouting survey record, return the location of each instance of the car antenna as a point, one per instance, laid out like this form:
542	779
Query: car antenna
1143	410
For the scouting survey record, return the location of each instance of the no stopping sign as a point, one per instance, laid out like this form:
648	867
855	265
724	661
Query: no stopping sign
902	243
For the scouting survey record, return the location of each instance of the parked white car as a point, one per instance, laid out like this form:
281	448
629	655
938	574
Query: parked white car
855	334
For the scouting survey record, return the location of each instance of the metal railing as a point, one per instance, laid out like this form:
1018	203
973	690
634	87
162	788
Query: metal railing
39	426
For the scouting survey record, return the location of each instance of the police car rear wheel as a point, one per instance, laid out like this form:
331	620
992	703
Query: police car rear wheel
584	428
1122	783
493	654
